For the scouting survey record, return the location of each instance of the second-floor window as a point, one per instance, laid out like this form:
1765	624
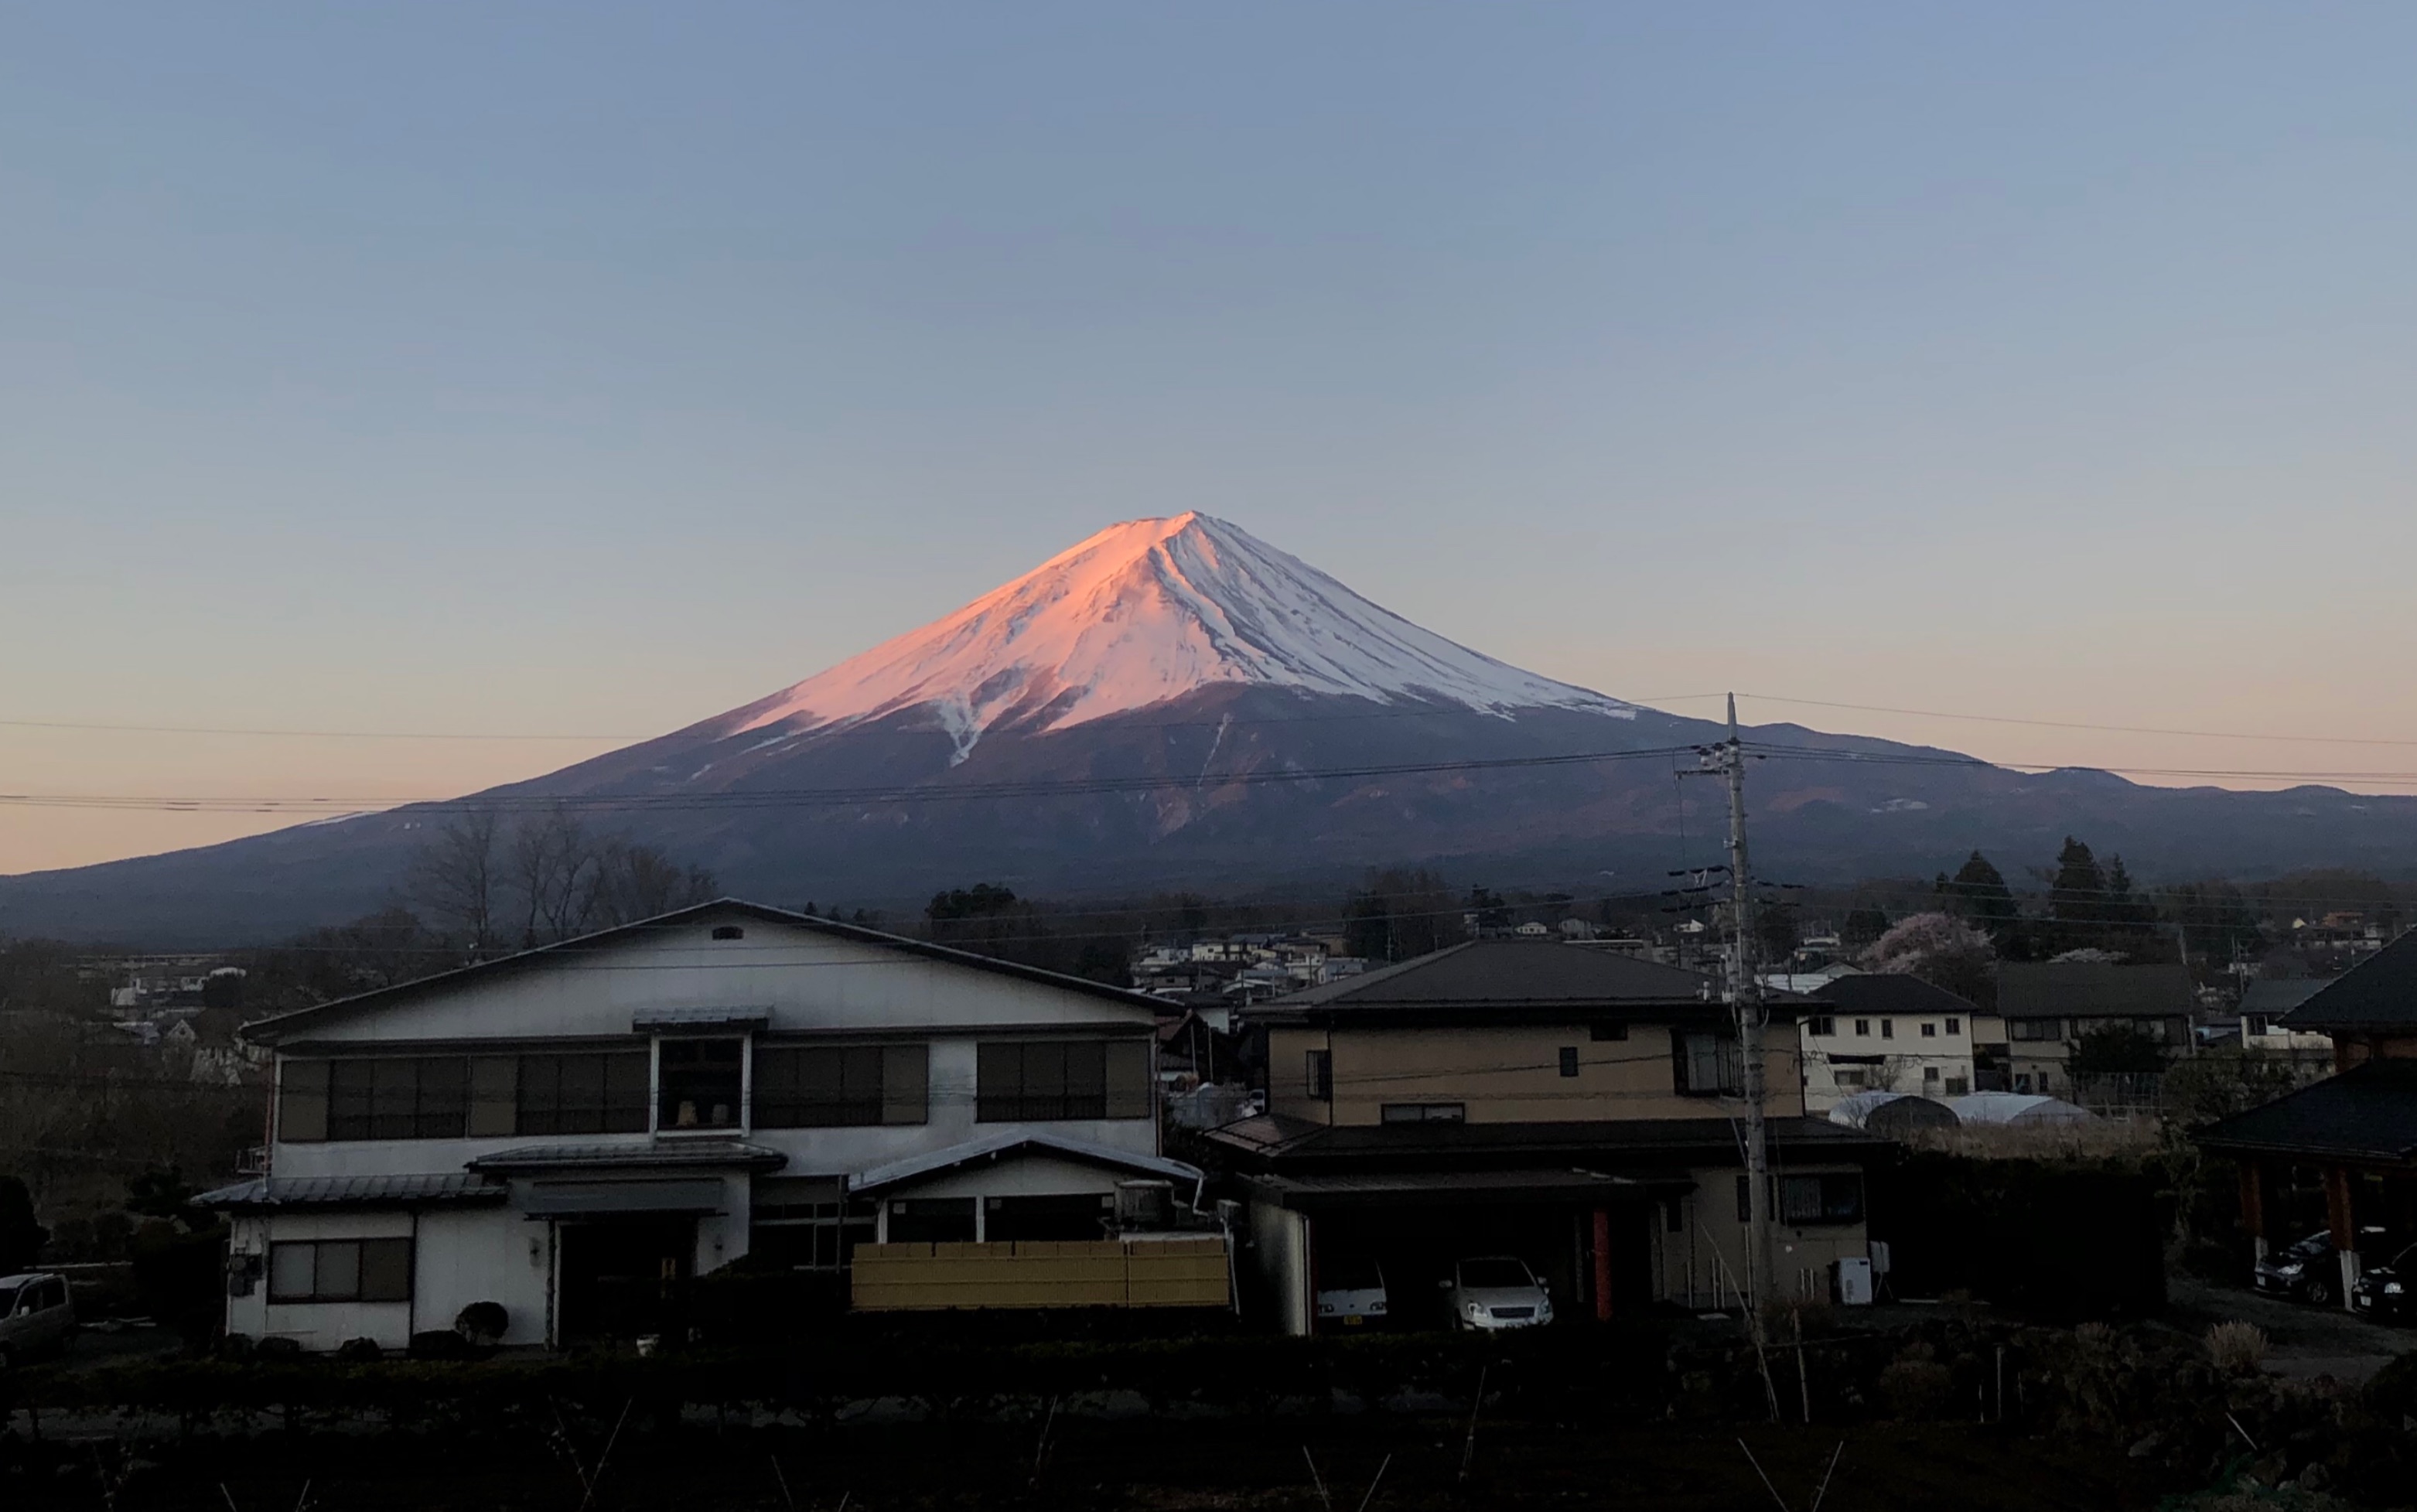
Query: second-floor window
2033	1029
457	1096
1040	1081
1707	1064
837	1086
1823	1026
1320	1075
700	1082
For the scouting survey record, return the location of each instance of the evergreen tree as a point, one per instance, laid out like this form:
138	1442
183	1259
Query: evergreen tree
2077	900
1978	892
1862	928
2128	913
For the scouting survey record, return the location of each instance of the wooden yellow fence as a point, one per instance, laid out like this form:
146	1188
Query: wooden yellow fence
1095	1273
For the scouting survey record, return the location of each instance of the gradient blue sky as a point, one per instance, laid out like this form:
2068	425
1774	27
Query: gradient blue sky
593	367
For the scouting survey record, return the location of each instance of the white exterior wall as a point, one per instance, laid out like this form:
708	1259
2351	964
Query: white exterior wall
1909	1056
808	983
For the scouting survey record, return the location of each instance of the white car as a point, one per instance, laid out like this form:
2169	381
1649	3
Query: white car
36	1317
1351	1294
1495	1292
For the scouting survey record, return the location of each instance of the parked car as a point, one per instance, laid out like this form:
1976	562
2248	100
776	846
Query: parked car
2307	1269
1351	1293
1497	1291
2383	1291
36	1317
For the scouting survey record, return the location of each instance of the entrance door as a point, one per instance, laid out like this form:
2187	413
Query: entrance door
623	1277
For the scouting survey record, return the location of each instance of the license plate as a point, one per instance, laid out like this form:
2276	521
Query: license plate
1354	1320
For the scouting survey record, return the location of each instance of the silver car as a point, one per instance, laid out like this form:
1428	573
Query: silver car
36	1317
1495	1292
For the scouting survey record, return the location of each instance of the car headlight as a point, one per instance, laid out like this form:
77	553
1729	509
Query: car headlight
2292	1269
2392	1289
1473	1309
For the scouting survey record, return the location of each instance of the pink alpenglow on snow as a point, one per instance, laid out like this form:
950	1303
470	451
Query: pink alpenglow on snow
1142	612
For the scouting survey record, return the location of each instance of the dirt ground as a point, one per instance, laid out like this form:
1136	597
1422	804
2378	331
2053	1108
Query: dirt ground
1147	1465
2305	1341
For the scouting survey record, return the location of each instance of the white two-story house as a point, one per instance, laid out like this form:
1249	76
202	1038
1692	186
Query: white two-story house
1881	1032
569	1132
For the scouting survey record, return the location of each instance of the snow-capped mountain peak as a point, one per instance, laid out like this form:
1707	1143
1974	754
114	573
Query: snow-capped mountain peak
1143	611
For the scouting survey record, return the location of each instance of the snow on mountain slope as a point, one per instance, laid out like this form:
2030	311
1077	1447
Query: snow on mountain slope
1141	613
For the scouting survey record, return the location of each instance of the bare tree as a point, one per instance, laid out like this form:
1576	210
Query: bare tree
635	882
458	878
553	862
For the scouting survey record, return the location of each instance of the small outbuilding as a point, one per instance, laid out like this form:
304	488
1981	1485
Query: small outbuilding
2018	1109
1892	1115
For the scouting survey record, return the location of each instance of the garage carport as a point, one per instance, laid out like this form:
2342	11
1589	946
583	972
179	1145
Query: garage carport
1589	1235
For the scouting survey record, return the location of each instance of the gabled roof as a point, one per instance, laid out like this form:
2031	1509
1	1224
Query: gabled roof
1892	993
1498	979
2368	1112
2094	990
2281	994
2381	991
1015	1140
270	1030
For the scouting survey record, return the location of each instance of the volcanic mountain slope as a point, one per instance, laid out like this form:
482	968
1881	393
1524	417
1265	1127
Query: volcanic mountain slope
1174	704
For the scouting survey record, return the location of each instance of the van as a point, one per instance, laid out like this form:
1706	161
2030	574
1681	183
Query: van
36	1317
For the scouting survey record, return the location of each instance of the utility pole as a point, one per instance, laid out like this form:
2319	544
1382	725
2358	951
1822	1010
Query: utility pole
1728	760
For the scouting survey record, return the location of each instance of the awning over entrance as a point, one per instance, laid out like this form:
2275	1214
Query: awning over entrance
587	1198
1394	1189
996	1146
656	1154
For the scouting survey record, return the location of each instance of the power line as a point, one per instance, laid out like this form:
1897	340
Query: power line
2077	724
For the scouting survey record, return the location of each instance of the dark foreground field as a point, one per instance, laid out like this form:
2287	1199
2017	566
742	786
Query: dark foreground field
1135	1464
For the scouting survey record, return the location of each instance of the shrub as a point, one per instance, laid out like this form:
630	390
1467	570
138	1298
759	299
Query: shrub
2237	1348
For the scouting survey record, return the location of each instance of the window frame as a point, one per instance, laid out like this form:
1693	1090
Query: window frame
1729	1062
387	1248
1569	1059
1317	1074
889	1087
1423	1112
702	1081
1123	1087
1837	1201
1821	1025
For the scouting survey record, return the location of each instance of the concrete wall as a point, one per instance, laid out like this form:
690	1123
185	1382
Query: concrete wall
1507	1075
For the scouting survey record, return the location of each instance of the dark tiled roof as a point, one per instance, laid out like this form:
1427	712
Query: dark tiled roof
1505	979
2380	989
1892	993
1286	1142
2093	990
354	1191
2281	994
2368	1112
1461	1187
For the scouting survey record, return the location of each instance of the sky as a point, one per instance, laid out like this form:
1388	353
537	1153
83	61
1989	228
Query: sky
570	373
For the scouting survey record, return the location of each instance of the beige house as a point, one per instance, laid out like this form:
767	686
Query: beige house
1573	1107
2044	1009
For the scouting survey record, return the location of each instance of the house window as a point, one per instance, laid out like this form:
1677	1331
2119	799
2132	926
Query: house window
1321	1075
1569	1060
2022	1081
2253	1024
1809	1200
1822	1026
1930	1031
838	1086
728	931
398	1098
1601	1031
1707	1064
1954	1026
817	1230
2032	1029
1038	1081
1888	1028
1424	1113
1958	1085
700	1082
599	1092
339	1270
1929	1073
1851	1076
1863	1029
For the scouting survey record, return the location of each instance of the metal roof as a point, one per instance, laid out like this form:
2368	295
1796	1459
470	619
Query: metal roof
354	1191
2379	991
1891	992
1563	1184
991	1146
270	1030
2367	1113
661	1154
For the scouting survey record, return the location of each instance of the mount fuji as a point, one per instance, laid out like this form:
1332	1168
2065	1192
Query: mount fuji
1174	704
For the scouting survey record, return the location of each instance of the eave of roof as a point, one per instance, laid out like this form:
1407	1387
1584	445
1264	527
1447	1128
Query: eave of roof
270	1030
1010	1142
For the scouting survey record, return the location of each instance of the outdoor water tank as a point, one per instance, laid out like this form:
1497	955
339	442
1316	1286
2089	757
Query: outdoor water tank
1144	1205
1855	1281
